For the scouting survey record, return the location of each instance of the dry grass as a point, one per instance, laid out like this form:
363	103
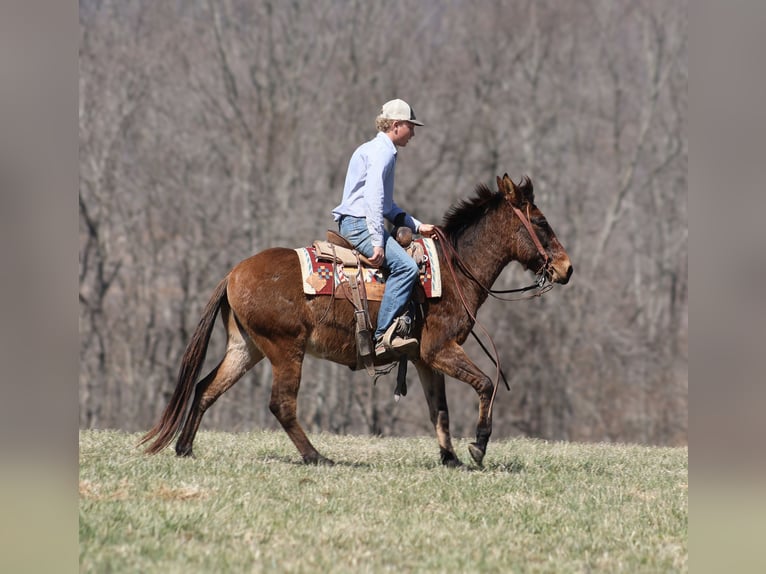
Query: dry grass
245	504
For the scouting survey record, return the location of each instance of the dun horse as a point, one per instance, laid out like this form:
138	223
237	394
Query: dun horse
267	314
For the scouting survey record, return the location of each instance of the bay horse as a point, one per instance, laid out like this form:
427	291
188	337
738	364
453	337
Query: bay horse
266	314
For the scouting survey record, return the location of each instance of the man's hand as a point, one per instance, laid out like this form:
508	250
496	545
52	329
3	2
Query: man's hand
426	229
378	256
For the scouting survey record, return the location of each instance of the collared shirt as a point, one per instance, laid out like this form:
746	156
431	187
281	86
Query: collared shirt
369	188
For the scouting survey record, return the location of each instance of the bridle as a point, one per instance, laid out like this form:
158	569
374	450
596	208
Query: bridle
541	284
544	271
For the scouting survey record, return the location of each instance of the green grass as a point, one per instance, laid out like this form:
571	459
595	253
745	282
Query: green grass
245	504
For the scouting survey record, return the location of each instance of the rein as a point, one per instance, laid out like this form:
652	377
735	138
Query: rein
540	284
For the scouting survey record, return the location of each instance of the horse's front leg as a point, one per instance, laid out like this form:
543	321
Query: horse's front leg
452	360
436	397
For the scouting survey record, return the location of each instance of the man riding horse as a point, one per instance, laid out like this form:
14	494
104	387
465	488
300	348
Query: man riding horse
368	200
478	238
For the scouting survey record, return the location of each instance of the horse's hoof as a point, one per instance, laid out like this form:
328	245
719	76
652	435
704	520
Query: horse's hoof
449	459
185	452
318	459
452	463
476	454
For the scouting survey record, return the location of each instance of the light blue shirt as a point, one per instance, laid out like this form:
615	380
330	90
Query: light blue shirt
369	188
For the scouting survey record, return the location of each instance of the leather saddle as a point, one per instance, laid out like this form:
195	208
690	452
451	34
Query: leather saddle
339	250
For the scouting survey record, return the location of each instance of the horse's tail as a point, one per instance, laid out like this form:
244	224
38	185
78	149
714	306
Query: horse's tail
191	364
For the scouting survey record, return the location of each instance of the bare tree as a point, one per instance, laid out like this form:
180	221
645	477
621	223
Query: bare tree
212	130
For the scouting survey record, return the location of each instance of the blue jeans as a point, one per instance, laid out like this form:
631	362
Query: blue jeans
402	268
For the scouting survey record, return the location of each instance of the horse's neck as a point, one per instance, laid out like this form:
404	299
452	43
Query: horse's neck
486	254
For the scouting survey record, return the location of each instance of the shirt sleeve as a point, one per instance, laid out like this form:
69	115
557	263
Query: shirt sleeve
374	194
409	220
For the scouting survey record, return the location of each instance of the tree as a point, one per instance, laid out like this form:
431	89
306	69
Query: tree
212	130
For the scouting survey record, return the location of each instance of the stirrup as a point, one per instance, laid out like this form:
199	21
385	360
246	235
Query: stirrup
400	327
396	338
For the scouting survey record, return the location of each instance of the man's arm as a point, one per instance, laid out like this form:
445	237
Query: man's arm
406	220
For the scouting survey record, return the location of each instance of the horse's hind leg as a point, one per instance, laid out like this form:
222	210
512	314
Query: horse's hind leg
436	397
284	404
241	356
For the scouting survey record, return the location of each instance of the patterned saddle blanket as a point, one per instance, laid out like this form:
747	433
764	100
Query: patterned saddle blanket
322	276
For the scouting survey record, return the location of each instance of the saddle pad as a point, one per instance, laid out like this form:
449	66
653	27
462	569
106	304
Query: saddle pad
324	277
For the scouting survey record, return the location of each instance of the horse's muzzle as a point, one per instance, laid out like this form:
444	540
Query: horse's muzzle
560	272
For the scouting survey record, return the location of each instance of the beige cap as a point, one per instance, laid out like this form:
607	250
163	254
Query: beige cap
398	110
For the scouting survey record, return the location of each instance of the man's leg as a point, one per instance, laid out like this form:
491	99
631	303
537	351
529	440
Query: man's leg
403	274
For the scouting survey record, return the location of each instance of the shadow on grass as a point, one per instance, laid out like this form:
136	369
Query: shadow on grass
513	466
295	461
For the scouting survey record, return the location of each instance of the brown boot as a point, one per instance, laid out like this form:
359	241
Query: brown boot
402	346
395	344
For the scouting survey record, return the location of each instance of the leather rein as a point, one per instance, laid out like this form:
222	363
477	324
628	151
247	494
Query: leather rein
541	285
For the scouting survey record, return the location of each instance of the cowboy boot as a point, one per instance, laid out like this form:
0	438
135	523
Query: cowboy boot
393	342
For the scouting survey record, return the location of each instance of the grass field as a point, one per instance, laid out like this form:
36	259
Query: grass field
245	504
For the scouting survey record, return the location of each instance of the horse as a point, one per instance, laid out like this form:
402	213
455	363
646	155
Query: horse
266	314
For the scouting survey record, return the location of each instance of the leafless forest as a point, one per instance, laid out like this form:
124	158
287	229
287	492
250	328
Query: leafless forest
212	129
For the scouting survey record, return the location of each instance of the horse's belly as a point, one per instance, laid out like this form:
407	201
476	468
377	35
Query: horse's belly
333	345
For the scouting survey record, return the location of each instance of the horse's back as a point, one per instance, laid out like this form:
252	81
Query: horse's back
268	265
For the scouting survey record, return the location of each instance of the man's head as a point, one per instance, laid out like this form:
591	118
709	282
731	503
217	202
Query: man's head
397	121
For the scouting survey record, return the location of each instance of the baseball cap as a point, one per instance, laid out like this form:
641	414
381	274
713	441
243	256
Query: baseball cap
399	110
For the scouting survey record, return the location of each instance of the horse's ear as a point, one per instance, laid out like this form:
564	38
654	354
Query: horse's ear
528	189
500	185
511	191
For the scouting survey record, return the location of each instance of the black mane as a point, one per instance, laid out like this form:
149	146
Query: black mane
463	214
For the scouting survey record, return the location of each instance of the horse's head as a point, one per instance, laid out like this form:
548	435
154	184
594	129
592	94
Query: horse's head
537	246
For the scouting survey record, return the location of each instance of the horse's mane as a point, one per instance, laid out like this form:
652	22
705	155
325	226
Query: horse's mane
466	212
